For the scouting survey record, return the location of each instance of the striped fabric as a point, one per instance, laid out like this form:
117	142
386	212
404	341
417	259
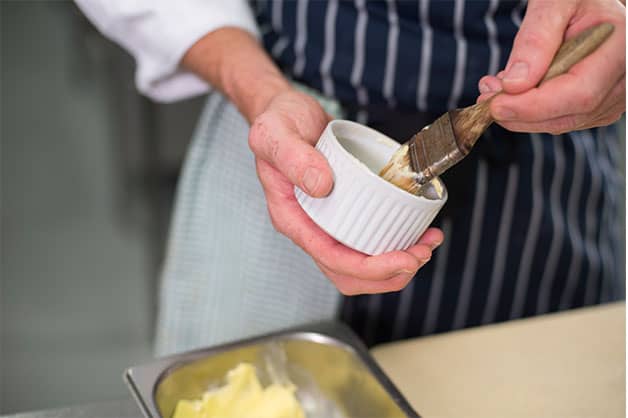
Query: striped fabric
425	55
535	235
532	225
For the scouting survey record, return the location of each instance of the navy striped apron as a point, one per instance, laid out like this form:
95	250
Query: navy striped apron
532	224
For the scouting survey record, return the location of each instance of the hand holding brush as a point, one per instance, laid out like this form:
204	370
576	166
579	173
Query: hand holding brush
451	137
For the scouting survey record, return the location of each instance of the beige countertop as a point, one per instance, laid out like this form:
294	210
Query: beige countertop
570	364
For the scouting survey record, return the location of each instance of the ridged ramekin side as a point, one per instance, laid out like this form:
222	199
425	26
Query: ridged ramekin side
361	213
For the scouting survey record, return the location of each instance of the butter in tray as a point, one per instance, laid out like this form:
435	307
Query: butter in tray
333	375
243	395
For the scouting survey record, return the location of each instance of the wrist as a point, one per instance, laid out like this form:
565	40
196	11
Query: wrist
251	90
232	61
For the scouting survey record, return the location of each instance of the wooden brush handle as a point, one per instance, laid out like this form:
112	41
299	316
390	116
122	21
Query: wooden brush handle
470	122
577	48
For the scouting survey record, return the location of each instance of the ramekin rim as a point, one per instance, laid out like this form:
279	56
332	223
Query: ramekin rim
362	166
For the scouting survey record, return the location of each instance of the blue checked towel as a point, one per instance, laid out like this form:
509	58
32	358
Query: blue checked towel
228	274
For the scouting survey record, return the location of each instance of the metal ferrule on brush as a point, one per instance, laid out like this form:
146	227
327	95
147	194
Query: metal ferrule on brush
434	150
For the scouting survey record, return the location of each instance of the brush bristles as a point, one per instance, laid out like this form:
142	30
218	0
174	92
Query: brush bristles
436	148
398	171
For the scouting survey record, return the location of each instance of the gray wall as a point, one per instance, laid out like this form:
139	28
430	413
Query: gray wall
86	196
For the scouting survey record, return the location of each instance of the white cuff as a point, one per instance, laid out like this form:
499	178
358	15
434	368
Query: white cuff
159	32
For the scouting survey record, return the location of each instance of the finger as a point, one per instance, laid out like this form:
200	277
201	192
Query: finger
350	286
273	182
297	160
429	241
289	218
422	250
432	237
489	84
568	123
607	112
610	118
539	37
613	106
581	90
483	97
554	126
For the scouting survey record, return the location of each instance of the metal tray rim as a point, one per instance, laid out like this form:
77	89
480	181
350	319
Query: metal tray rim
144	379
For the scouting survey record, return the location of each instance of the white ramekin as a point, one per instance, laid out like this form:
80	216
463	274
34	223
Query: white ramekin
364	211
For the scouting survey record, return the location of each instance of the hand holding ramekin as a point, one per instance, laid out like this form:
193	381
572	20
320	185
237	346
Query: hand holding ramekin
364	211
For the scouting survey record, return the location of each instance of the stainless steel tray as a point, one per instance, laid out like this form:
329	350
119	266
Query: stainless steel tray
329	354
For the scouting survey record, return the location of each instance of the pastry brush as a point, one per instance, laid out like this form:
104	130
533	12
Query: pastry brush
449	139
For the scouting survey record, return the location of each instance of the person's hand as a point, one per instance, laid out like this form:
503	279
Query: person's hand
282	138
285	125
592	93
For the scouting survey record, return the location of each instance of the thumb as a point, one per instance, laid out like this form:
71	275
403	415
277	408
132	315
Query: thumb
286	151
540	36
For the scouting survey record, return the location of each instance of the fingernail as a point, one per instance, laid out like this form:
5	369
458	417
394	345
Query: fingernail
485	88
311	177
518	71
504	113
436	244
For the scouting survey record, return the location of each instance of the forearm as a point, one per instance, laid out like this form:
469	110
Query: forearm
233	62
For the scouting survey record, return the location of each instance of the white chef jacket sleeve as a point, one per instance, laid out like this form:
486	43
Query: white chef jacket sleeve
159	32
